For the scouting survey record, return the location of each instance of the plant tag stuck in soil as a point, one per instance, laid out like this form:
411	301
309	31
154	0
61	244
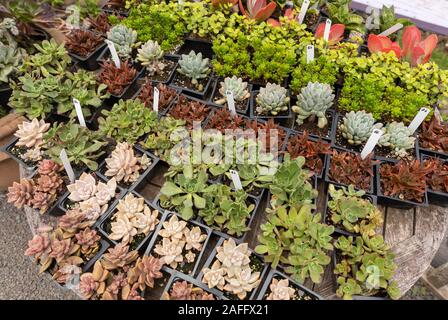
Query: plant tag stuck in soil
437	114
155	103
113	53
78	109
309	53
327	30
231	102
68	167
303	10
236	179
418	119
371	143
391	30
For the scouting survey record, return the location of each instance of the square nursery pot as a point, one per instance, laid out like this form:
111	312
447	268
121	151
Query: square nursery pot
5	94
329	180
438	198
241	108
104	245
263	269
282	118
328	133
102	168
339	229
207	86
138	244
13	151
161	112
197	45
188	269
89	62
168	74
91	121
193	98
303	292
177	276
396	202
113	10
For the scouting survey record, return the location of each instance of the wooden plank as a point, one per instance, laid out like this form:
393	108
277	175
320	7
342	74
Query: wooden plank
399	225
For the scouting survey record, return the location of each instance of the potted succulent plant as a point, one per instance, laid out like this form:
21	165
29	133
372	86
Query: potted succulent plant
189	109
278	286
167	95
135	226
84	47
433	137
193	75
271	101
179	244
158	68
436	181
234	269
100	24
183	287
314	103
240	90
117	7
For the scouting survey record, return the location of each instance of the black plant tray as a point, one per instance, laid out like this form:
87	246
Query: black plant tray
105	219
196	45
211	258
89	62
438	198
7	149
339	230
104	245
253	114
396	202
5	94
148	171
154	84
300	289
166	216
215	93
328	179
178	276
194	93
438	154
331	128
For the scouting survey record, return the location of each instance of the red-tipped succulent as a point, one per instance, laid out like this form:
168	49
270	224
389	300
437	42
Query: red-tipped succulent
377	43
289	13
336	32
258	9
416	50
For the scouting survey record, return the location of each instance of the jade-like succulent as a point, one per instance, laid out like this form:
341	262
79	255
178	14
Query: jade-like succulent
124	39
237	86
399	138
313	101
357	126
272	100
194	67
149	55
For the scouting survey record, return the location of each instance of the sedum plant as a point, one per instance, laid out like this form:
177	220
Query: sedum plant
399	138
124	40
235	85
149	55
356	127
314	100
194	67
127	121
298	241
272	100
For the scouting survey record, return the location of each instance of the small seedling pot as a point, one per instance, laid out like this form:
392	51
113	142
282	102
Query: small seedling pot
211	258
91	121
177	276
166	216
254	115
5	94
173	104
105	221
215	94
396	202
171	72
329	180
300	289
197	45
339	230
7	148
438	198
310	127
111	11
208	85
89	62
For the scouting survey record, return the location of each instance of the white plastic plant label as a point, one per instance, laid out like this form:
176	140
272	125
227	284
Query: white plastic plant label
231	102
68	167
236	179
79	113
371	143
303	10
327	30
113	53
309	53
391	30
437	114
155	103
418	119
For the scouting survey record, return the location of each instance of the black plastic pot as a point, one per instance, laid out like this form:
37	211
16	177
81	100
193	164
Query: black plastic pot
433	153
392	201
195	93
163	111
89	62
215	93
328	179
196	45
326	214
435	197
104	245
177	276
173	104
5	94
331	127
103	167
91	121
7	149
300	289
211	258
106	219
171	73
256	85
166	216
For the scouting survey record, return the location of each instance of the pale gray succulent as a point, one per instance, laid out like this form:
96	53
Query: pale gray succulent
398	137
357	126
314	100
237	86
272	100
194	66
149	55
124	39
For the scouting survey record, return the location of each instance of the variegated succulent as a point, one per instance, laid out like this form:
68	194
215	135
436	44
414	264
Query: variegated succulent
272	100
